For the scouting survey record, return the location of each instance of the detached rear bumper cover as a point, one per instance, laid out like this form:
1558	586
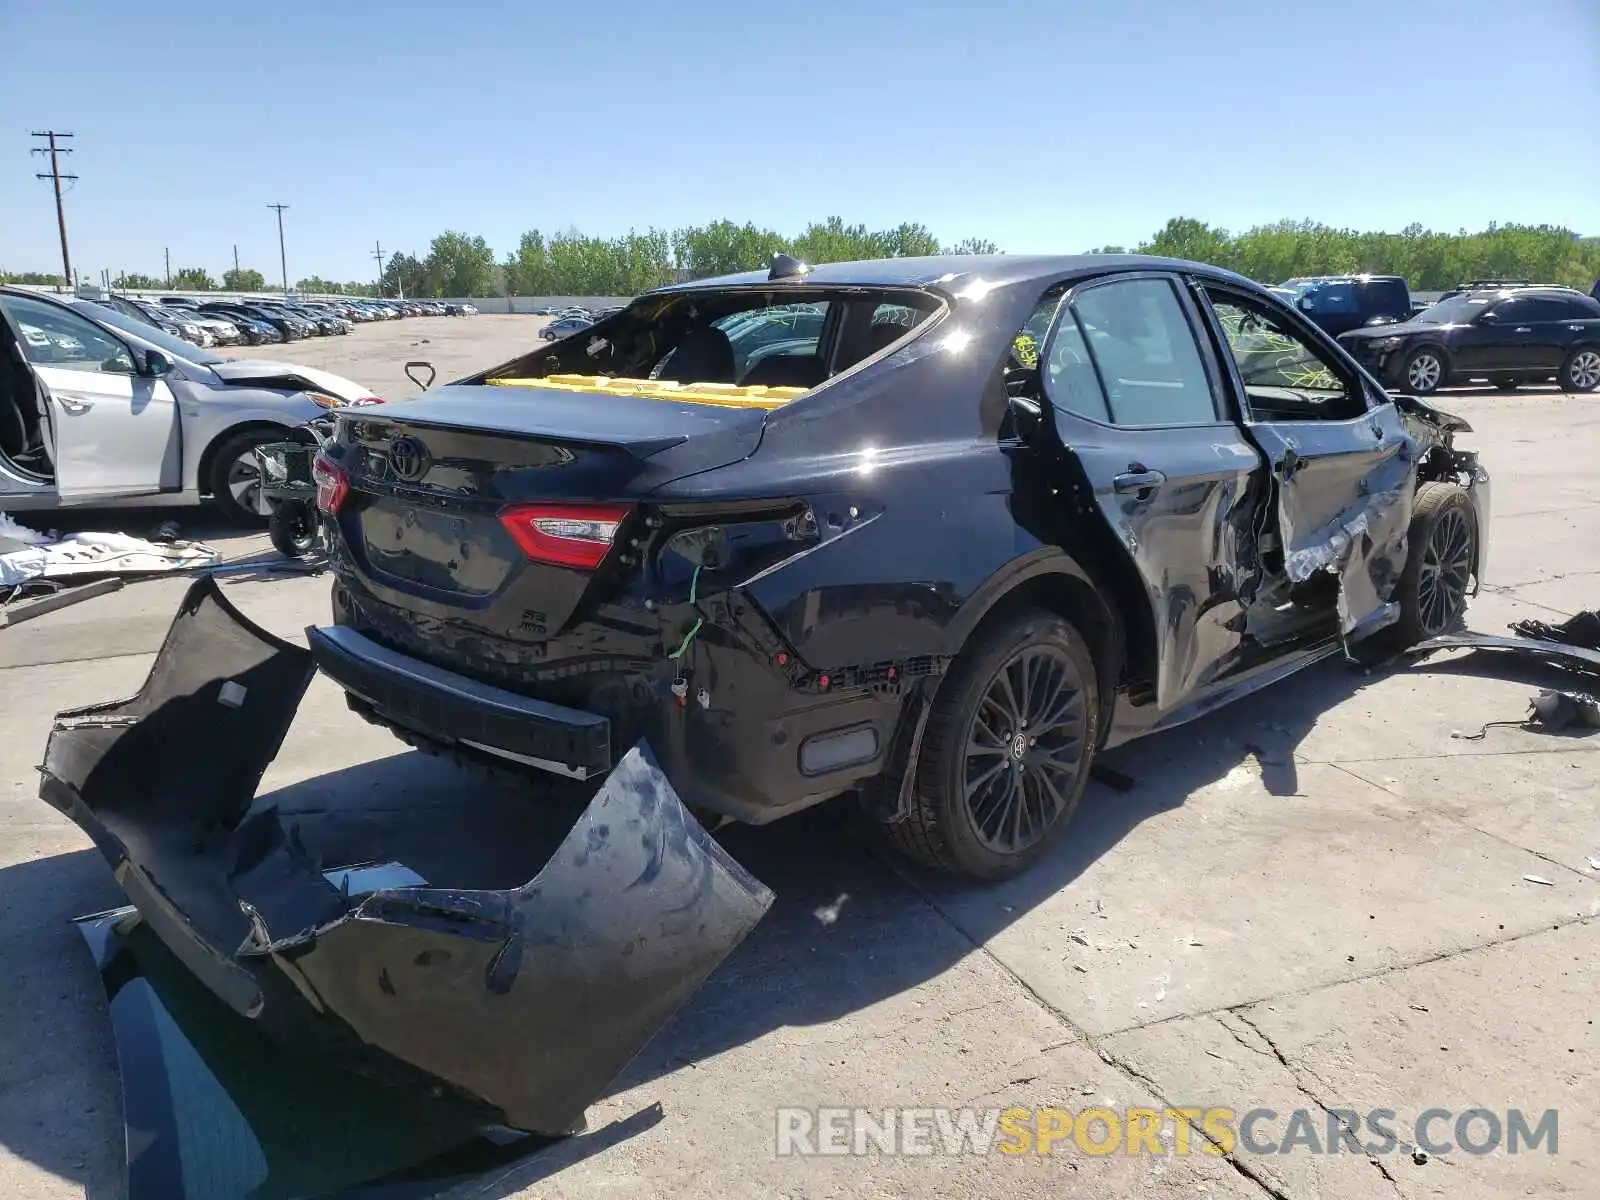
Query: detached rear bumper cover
528	1001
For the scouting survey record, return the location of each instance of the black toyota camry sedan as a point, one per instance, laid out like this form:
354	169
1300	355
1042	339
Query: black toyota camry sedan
1506	335
930	531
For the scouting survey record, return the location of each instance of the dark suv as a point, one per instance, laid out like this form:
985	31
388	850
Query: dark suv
1513	336
1340	303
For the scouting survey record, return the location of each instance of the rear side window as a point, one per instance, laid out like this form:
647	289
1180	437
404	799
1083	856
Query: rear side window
1135	335
1554	308
781	331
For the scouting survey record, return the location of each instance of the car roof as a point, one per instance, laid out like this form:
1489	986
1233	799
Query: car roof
953	271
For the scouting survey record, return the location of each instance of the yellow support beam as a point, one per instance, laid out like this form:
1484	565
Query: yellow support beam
725	395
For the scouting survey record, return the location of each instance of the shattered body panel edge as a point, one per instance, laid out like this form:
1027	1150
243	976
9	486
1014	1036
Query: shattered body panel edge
526	1001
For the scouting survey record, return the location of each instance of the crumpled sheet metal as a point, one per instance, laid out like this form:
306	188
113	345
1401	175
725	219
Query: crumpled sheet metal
1580	629
1578	658
527	1001
1364	545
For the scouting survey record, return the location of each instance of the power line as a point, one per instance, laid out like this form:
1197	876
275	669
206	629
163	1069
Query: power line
283	260
55	175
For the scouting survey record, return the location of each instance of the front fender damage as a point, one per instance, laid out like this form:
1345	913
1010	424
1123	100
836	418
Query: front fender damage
526	1002
1360	534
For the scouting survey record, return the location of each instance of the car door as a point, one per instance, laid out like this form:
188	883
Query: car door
1549	329
1135	398
1338	451
1507	337
114	428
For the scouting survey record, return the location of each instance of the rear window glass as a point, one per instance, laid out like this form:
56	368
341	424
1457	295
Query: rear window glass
751	346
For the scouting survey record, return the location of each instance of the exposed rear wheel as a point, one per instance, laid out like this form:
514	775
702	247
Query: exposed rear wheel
1007	750
1581	371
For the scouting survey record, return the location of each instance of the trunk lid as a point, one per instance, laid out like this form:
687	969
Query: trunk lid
430	480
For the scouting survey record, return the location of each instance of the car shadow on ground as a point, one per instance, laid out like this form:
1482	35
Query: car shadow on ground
849	927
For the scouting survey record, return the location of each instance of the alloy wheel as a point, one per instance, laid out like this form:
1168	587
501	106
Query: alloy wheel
1585	370
1424	371
244	484
1446	569
1025	747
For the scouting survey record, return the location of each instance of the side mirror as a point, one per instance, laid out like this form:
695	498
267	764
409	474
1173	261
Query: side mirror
1304	303
1488	318
156	363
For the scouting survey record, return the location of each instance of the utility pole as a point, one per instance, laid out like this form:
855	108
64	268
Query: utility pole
236	258
55	151
167	250
283	261
377	253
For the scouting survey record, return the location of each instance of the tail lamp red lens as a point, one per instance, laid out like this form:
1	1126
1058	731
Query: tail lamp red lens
333	485
565	535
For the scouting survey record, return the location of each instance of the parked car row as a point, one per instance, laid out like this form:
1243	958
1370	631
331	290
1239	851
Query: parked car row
252	321
1508	331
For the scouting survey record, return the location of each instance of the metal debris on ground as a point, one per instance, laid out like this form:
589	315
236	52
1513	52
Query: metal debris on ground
26	554
16	606
1540	879
1582	629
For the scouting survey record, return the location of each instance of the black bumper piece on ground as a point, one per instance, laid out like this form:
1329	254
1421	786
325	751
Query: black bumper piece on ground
441	704
526	1001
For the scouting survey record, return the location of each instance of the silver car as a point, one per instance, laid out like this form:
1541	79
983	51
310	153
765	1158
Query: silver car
99	408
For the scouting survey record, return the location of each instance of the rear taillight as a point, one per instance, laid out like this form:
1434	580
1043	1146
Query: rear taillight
333	485
565	535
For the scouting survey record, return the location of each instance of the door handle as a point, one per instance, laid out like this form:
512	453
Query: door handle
1140	481
75	408
1523	329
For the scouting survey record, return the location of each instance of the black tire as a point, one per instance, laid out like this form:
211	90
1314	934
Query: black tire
220	478
1417	378
1581	371
1507	383
942	829
292	528
1442	513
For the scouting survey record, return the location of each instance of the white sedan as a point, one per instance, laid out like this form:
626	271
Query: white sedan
99	409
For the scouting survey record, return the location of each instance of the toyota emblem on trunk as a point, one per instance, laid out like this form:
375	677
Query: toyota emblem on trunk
409	459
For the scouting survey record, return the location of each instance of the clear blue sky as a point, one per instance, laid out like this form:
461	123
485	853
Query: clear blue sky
1042	125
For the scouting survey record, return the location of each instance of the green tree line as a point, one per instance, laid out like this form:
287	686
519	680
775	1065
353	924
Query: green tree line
1430	260
570	263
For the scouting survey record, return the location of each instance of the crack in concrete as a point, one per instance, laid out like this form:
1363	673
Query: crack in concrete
1300	1086
1237	1036
1465	823
1245	1170
1296	994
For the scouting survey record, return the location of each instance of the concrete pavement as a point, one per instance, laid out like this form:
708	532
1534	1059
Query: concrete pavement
1315	899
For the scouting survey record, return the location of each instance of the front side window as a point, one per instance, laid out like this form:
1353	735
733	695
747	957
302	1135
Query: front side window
55	337
1285	376
1137	338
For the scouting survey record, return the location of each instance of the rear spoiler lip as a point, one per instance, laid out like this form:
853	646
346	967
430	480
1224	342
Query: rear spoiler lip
637	427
